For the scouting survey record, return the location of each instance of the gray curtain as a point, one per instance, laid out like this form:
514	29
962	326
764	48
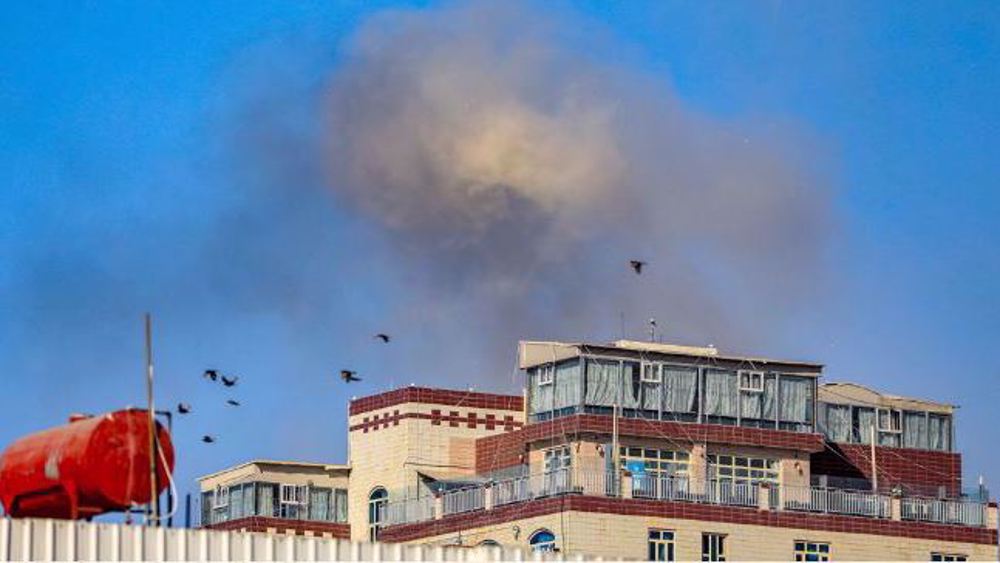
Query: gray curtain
866	421
838	423
602	382
795	398
939	432
914	430
319	504
265	502
207	499
340	505
888	439
652	393
248	499
720	393
631	386
236	502
770	397
679	389
541	395
567	384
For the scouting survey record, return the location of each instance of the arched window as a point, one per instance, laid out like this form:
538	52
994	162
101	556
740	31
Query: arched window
542	540
377	501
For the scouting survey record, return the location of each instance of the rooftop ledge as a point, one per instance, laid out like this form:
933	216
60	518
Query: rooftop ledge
680	497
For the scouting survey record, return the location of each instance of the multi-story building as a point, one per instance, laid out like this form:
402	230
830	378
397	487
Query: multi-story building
640	450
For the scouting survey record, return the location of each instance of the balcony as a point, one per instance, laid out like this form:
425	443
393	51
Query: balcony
760	496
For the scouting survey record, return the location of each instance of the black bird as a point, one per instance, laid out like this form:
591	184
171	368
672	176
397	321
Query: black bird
183	408
383	337
349	376
637	265
229	382
212	374
208	439
232	403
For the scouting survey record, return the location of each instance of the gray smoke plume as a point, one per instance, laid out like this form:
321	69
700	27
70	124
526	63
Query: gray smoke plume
516	165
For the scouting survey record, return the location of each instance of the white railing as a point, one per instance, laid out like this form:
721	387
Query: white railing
464	500
732	494
836	501
944	511
411	510
662	488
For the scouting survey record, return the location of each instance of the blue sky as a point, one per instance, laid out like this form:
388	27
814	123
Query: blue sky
122	130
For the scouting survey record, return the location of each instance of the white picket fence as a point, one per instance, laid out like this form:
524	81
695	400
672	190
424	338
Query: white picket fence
67	540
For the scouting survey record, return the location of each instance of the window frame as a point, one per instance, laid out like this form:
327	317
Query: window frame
651	372
713	546
546	375
376	505
895	420
299	494
751	376
811	548
769	469
941	556
221	492
654	543
676	467
564	456
539	546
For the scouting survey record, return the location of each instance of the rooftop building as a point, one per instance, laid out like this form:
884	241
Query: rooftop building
675	452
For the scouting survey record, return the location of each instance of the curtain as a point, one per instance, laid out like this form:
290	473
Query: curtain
751	404
567	384
340	505
319	504
770	397
888	439
541	395
652	393
720	393
602	382
838	423
940	432
679	389
866	421
207	499
795	398
236	502
265	504
914	430
631	386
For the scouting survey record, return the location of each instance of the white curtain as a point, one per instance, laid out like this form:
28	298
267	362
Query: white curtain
265	504
914	430
340	505
602	382
866	421
236	502
795	398
541	395
248	499
567	384
720	393
631	386
940	432
838	423
652	396
770	397
680	386
319	504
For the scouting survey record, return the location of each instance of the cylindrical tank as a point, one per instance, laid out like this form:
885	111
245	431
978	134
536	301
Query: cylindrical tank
88	467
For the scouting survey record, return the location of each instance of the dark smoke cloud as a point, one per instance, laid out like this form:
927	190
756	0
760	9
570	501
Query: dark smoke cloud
515	167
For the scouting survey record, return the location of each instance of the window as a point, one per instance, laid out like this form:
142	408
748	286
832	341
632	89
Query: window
948	557
294	494
811	551
752	381
890	420
742	469
557	458
488	543
713	547
542	541
377	501
221	499
651	373
655	463
661	545
546	375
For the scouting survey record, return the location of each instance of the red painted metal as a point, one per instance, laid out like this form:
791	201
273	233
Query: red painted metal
85	468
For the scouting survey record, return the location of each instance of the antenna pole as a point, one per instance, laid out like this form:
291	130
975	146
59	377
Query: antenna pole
154	502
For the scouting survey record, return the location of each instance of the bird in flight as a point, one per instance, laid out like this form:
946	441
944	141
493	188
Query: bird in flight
637	265
208	439
349	376
183	408
229	382
383	337
212	374
232	403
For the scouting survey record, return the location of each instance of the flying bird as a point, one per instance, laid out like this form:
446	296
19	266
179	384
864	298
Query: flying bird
183	408
637	265
349	376
232	403
383	337
208	439
229	382
212	374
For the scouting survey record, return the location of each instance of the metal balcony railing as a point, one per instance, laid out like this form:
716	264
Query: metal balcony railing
944	511
835	501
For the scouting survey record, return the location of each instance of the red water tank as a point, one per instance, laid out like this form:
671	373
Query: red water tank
88	467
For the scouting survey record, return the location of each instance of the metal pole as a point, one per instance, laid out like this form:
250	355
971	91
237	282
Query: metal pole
153	508
874	466
187	510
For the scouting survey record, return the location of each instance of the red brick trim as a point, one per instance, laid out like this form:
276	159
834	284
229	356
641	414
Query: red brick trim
454	419
690	511
920	472
262	523
445	397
